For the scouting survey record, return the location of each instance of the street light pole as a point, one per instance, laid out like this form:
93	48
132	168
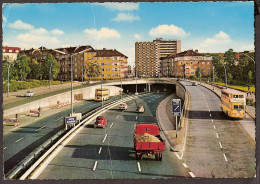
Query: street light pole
71	89
8	80
248	57
50	75
213	76
225	74
83	67
121	80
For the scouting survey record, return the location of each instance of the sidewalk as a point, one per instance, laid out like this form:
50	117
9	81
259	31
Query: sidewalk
249	109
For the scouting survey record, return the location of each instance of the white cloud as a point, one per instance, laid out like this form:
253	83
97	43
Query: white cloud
57	32
39	31
103	33
168	31
137	36
125	17
219	42
18	24
121	6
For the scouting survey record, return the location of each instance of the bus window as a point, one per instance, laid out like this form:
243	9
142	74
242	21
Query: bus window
241	96
241	107
238	107
235	96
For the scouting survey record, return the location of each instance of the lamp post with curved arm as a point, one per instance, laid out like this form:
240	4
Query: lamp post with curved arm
224	69
248	57
50	75
8	78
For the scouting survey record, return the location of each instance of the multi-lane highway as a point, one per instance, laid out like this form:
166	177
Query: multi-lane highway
21	141
216	146
108	153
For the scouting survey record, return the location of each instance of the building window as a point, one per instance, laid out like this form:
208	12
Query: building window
192	67
76	70
203	63
102	75
76	75
107	58
107	69
102	64
191	63
75	64
192	72
187	63
203	67
108	75
198	62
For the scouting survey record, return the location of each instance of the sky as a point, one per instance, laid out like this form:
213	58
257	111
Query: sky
206	26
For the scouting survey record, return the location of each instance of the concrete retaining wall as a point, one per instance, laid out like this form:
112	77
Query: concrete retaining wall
88	94
180	92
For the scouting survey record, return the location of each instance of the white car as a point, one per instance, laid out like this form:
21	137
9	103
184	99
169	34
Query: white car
29	93
194	83
123	106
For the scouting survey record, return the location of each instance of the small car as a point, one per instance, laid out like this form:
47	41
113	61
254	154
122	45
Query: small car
29	93
101	121
194	83
177	79
122	106
140	108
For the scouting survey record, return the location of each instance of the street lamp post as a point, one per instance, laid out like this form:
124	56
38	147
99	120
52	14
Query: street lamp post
83	66
225	74
213	76
121	80
136	93
248	56
8	79
71	89
50	75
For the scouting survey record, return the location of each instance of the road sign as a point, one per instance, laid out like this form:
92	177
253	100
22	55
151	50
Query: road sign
176	107
70	120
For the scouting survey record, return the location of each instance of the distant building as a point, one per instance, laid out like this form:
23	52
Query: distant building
130	71
147	55
185	64
10	53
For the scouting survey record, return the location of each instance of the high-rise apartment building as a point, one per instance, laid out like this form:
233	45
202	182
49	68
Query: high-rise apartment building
147	55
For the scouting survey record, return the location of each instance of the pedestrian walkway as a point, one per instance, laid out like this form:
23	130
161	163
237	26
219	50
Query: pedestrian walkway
249	109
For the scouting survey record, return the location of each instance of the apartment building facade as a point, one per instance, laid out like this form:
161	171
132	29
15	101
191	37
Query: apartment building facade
10	53
185	64
147	55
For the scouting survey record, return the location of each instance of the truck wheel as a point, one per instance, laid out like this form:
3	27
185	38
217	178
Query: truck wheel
156	157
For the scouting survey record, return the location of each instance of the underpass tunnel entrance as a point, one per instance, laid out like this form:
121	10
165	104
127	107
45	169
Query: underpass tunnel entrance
131	88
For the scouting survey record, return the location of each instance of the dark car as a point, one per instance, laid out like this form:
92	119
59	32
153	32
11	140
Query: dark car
101	121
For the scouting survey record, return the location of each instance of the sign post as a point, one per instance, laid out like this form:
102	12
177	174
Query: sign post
176	111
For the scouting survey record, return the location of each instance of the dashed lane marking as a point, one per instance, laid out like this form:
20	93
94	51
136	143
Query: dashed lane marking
4	148
40	128
214	127
111	125
220	145
19	139
95	166
136	117
99	150
225	157
192	175
217	135
139	167
210	115
104	138
212	120
117	116
58	119
184	165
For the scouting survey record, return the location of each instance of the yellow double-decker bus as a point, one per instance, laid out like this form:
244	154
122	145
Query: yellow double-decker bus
233	103
101	92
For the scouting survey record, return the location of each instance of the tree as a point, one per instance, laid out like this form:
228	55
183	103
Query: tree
50	61
92	70
250	76
198	72
12	71
22	66
36	72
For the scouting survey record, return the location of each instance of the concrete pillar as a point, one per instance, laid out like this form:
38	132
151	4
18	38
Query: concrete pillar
149	88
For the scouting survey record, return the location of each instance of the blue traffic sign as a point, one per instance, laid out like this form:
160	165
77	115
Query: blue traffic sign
176	107
71	120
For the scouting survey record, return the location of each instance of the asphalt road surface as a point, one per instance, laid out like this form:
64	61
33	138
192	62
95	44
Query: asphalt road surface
21	141
108	153
217	146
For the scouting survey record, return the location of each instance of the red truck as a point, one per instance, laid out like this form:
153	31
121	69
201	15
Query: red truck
147	140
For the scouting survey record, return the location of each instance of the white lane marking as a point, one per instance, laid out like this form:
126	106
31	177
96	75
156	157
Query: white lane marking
139	167
104	138
117	116
111	125
4	148
184	165
99	150
212	120
136	117
210	115
214	127
217	135
40	128
192	175
177	155
220	145
19	139
225	157
95	166
58	119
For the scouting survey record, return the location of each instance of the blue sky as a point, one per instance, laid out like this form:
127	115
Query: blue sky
206	26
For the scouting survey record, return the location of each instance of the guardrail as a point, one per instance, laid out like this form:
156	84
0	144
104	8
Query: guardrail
45	149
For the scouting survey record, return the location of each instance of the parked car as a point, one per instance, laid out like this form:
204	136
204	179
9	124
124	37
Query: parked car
101	121
177	79
194	83
29	93
140	108
122	106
